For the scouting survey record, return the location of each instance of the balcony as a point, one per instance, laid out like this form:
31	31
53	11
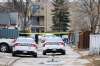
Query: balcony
37	9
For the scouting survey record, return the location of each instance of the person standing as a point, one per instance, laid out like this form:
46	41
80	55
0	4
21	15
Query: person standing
36	38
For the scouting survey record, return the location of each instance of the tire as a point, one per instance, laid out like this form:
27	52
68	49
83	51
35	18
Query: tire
63	53
13	54
35	55
4	48
44	53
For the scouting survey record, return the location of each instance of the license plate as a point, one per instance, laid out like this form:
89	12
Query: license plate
54	49
24	51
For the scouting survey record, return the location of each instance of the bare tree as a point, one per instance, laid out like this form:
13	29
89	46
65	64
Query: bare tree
76	17
91	7
88	14
22	9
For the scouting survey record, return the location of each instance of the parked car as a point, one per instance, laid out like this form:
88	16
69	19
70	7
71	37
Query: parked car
54	45
24	45
7	36
43	37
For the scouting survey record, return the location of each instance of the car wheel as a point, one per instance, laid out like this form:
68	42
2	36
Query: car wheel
35	55
13	54
4	48
63	53
44	53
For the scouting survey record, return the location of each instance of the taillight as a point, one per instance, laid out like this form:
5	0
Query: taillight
33	45
14	41
61	43
17	44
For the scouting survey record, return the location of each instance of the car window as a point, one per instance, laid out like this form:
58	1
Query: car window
25	40
52	43
54	39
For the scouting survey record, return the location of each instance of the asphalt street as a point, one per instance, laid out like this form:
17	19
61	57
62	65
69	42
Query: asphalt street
71	58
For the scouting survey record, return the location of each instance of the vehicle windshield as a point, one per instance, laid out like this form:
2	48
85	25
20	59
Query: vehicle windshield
52	43
25	40
54	39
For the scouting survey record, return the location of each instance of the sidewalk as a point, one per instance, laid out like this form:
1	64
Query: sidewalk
75	59
94	59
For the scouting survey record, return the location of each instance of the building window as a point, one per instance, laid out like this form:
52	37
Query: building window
42	8
38	0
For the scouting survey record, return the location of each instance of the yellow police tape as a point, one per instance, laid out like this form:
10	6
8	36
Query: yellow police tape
48	33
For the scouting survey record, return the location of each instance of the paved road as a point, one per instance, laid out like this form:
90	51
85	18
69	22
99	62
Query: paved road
70	59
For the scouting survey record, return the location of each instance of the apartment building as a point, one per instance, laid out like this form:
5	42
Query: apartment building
42	17
8	17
